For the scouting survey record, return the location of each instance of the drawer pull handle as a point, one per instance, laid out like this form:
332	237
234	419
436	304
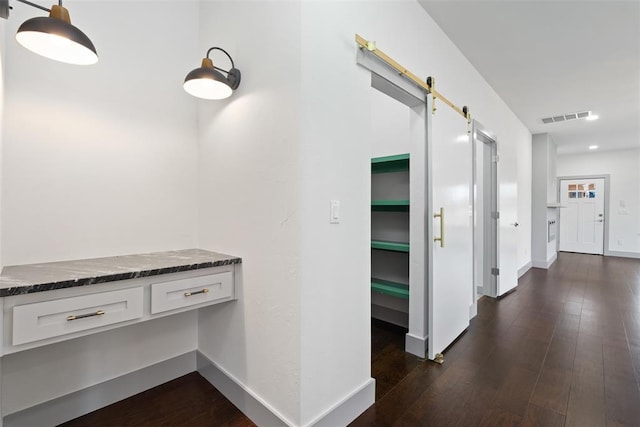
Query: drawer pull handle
204	291
82	316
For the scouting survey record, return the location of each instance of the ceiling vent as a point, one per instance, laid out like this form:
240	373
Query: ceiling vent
566	117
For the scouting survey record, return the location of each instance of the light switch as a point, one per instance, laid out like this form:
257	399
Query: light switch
335	212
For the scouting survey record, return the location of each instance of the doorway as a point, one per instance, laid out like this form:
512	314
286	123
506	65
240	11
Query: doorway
582	217
486	215
440	197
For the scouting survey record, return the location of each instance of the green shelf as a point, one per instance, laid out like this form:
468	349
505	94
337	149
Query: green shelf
390	205
398	290
388	164
390	246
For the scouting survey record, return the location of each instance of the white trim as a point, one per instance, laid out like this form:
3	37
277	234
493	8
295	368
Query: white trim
545	264
348	409
415	345
622	254
260	412
393	84
81	402
245	399
522	270
473	310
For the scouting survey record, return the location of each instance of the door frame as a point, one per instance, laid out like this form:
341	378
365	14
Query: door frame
484	224
399	89
606	178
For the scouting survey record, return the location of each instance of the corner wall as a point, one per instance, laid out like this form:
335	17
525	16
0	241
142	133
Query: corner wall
544	191
2	90
249	197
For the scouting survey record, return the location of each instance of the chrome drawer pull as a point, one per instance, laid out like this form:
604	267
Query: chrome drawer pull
204	291
82	316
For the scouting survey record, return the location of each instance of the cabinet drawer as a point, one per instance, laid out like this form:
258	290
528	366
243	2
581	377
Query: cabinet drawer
47	319
176	294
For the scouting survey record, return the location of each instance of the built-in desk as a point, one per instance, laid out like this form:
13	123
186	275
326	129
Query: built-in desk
60	309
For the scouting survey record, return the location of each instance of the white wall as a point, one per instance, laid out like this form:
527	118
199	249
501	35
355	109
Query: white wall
624	196
249	196
544	191
524	205
99	160
2	84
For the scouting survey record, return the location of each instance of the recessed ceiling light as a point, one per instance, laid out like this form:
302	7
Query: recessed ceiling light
591	117
593	147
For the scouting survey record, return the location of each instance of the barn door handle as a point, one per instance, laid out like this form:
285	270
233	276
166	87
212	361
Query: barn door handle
441	238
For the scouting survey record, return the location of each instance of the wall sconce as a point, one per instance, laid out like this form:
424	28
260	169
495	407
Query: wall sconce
53	37
209	83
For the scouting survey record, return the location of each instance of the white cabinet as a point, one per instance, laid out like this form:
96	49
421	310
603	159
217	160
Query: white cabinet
48	319
43	318
175	294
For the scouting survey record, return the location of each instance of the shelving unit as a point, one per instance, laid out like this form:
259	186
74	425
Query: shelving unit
398	290
390	207
390	246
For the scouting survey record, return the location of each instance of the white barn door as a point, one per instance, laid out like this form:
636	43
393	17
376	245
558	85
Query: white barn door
451	259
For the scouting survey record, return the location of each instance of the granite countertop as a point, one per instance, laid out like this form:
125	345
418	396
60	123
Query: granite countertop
30	278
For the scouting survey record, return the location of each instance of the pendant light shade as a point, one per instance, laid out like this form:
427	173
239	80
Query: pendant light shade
54	37
209	82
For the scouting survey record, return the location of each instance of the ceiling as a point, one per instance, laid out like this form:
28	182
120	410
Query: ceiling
546	58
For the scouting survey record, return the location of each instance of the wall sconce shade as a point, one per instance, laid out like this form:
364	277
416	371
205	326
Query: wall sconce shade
208	82
54	37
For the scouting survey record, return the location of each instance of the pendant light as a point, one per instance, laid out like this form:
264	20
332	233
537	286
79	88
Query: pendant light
54	37
208	82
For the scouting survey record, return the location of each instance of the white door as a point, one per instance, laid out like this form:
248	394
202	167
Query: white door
450	274
582	219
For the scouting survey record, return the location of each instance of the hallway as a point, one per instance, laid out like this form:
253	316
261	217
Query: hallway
563	349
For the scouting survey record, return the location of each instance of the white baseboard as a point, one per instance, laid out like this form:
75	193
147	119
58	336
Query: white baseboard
473	310
348	409
254	407
522	270
623	254
73	405
415	345
545	264
260	412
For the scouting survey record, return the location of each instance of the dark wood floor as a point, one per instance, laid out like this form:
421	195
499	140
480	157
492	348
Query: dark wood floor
189	401
564	349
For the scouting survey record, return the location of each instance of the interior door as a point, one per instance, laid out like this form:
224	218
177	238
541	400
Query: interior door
582	218
451	258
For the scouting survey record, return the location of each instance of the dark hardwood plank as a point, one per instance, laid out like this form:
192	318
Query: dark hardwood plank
542	417
564	349
186	401
586	406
